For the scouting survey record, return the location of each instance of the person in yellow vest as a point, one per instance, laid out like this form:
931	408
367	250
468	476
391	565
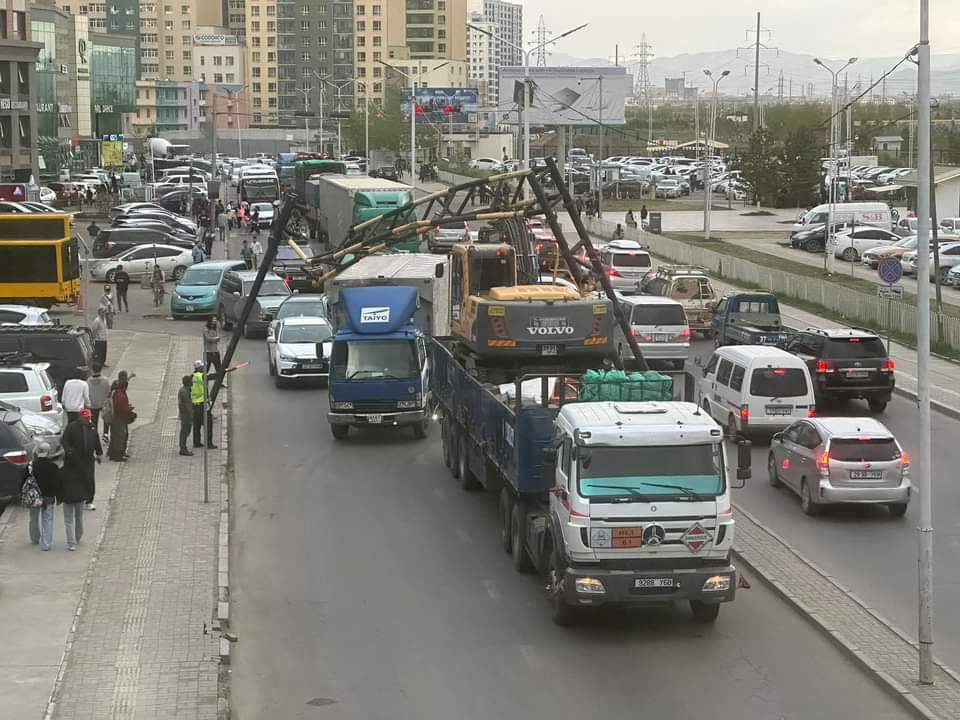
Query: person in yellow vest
198	398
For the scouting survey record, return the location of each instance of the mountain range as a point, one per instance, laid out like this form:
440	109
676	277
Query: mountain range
799	71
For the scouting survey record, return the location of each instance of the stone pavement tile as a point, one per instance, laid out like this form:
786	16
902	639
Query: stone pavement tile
143	645
876	644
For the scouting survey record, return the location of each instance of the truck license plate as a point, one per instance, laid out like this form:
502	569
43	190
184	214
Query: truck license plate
375	419
549	350
653	583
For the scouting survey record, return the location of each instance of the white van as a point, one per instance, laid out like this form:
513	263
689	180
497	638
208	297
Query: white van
659	325
863	213
749	388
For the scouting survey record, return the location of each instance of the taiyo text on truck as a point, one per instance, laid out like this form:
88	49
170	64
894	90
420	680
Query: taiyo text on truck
378	369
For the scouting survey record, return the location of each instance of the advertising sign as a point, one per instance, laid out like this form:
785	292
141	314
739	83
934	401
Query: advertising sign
111	153
566	95
445	105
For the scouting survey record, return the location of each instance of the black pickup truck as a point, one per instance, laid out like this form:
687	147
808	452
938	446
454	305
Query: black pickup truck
290	266
749	318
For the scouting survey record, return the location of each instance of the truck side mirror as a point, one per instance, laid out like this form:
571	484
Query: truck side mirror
744	461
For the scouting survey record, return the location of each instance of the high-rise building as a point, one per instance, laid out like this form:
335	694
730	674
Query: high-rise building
261	34
18	113
483	58
508	20
166	37
116	17
235	16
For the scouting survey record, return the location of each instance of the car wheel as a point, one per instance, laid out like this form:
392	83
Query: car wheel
849	255
772	470
178	272
110	276
807	503
897	509
270	366
278	381
704	612
340	432
877	405
518	530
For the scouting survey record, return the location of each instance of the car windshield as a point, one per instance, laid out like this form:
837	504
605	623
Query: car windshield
313	308
374	359
262	207
604	470
274	286
854	348
864	449
305	333
778	382
201	276
631	260
288	253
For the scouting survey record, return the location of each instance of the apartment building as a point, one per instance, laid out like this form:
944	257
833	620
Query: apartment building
507	18
483	58
261	37
164	107
221	73
166	37
18	116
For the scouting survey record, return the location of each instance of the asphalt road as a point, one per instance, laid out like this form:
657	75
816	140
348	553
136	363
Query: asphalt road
366	585
863	547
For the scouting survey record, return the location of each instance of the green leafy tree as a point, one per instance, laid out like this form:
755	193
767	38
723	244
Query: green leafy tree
761	166
800	169
389	126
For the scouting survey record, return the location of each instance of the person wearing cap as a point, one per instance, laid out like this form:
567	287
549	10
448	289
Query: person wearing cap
198	399
82	452
47	474
121	418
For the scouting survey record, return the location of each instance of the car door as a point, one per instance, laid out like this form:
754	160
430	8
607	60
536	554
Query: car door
722	396
167	259
783	452
805	455
707	382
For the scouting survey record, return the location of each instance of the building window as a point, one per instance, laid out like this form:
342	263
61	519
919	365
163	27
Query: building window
378	88
185	24
271	26
231	77
271	10
361	26
254	11
361	71
255	41
228	60
218	77
305	10
256	57
377	71
361	57
187	55
218	60
305	57
361	41
23	77
377	25
377	41
25	131
376	10
19	25
255	72
271	87
255	26
304	26
361	9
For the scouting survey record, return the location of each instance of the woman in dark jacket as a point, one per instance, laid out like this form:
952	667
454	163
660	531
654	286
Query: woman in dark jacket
47	474
122	417
78	479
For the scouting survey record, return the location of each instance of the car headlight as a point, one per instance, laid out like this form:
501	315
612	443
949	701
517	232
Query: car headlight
287	358
342	405
716	583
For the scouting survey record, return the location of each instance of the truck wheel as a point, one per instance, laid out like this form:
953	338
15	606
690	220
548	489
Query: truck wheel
420	429
340	432
518	531
897	509
564	614
467	480
506	510
454	437
704	612
445	441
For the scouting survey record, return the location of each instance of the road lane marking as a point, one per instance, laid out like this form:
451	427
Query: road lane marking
531	658
491	589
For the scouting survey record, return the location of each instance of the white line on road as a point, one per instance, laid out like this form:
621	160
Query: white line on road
491	589
531	657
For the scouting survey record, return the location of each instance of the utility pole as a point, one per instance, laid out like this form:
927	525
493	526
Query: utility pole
643	54
925	530
780	89
756	46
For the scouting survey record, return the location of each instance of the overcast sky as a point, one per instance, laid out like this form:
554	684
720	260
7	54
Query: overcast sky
832	28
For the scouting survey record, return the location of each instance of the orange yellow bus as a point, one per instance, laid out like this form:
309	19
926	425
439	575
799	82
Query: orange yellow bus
39	261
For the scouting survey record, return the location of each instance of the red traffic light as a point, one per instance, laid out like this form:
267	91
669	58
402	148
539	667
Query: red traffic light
447	109
419	109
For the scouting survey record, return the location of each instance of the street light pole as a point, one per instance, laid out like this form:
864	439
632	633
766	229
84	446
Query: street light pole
708	153
599	78
925	531
339	86
306	112
322	79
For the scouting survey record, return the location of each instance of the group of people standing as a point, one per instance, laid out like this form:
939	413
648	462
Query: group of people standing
73	486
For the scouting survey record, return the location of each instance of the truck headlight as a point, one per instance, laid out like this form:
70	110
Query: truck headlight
345	405
716	583
407	404
590	586
601	537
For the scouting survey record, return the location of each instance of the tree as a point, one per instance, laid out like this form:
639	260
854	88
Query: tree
800	168
761	166
389	126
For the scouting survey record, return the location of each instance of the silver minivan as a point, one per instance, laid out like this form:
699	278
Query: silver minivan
660	328
627	262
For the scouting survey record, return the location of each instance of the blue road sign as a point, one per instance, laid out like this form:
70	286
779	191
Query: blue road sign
890	270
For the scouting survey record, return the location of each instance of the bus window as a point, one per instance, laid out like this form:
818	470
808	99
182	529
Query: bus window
28	263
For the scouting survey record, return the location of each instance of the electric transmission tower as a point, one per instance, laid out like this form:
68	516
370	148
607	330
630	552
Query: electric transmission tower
643	54
756	46
541	37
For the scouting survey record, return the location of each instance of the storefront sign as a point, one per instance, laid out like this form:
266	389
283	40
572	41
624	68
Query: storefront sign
103	108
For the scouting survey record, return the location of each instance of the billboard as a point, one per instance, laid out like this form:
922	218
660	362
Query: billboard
445	105
566	95
111	153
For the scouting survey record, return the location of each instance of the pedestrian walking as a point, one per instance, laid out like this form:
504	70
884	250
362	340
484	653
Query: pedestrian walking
46	475
98	331
156	285
257	252
231	218
255	223
222	226
630	220
241	216
82	453
106	304
121	278
579	205
122	416
211	345
198	399
643	214
246	254
93	230
98	392
76	397
185	410
197	253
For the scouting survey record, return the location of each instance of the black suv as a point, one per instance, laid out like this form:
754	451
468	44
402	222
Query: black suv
846	363
67	348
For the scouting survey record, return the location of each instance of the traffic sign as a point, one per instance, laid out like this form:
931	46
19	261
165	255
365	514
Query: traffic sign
890	292
890	270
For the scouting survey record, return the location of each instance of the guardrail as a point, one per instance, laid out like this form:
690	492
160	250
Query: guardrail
899	316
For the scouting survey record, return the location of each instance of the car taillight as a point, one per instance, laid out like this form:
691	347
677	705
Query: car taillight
46	403
904	459
538	247
823	366
811	411
744	412
685	333
613	273
824	464
16	457
888	365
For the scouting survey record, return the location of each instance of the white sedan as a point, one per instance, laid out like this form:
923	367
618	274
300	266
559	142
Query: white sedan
138	261
949	259
47	196
300	349
850	244
486	163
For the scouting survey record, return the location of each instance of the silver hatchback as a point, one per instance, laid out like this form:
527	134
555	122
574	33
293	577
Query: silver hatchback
841	460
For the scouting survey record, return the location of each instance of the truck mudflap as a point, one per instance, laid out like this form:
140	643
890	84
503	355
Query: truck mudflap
594	586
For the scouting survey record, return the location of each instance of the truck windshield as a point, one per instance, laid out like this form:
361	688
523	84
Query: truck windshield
374	359
697	468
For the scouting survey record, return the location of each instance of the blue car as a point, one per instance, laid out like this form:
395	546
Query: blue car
196	292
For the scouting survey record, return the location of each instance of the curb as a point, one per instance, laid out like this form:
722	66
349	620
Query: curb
892	686
223	563
940	407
